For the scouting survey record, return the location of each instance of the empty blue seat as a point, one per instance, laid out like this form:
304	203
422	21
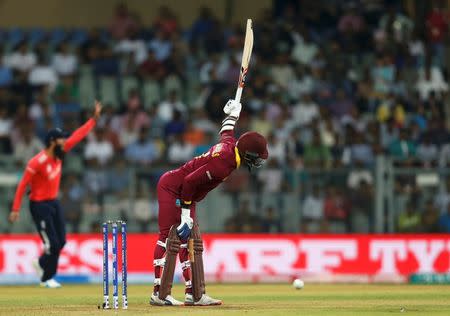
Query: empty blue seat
15	35
57	36
36	35
78	37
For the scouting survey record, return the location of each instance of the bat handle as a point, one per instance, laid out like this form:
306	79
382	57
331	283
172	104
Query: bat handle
238	94
191	249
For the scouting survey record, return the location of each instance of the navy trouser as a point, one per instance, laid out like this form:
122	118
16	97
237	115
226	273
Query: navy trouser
49	219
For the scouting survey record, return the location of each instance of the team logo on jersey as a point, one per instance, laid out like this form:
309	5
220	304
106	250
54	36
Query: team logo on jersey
55	173
49	168
217	150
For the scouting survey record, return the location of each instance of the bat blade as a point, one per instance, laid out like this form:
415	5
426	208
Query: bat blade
246	55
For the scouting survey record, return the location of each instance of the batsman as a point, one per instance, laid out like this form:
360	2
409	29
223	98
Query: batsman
178	192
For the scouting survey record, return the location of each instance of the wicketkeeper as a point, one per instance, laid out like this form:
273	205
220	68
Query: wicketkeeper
178	192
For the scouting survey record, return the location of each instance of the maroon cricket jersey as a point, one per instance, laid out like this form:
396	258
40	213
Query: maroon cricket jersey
193	180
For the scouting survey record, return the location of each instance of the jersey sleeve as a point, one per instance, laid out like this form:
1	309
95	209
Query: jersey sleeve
227	137
227	130
215	169
79	134
30	170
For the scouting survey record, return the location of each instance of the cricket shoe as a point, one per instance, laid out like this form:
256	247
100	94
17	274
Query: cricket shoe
51	284
168	301
205	300
37	267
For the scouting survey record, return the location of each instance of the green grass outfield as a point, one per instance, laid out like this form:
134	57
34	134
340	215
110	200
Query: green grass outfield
239	299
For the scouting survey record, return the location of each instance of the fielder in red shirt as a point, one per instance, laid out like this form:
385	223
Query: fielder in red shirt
43	174
179	190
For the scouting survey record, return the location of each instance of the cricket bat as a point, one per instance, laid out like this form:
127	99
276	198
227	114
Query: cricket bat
247	53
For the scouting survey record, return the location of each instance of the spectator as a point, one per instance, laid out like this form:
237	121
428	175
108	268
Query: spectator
301	84
161	46
244	221
144	151
430	218
68	92
151	68
430	80
312	211
43	74
397	25
166	21
351	21
142	211
201	121
176	126
409	220
316	154
91	47
99	148
444	156
209	141
271	223
271	178
64	62
202	24
179	151
282	72
194	135
336	210
442	197
359	151
361	200
21	59
416	48
128	134
342	106
167	108
437	132
437	30
403	149
354	119
132	46
305	111
122	22
134	116
444	221
5	128
427	153
104	63
71	200
357	175
119	176
383	74
276	148
304	49
95	180
27	146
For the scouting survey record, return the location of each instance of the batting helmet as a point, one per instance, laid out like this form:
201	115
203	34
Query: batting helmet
252	147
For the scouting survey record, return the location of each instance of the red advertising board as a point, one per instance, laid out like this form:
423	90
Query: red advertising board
255	257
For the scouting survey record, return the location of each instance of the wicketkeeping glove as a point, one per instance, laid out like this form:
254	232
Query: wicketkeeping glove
233	108
184	229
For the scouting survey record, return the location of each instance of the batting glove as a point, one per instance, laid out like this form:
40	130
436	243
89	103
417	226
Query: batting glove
233	108
184	229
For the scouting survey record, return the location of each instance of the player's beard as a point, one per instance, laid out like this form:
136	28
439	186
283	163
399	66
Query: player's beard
59	152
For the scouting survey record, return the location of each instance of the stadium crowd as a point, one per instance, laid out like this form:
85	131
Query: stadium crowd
332	85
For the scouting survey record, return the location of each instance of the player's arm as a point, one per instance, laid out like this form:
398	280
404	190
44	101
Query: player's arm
84	130
21	187
213	170
233	110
